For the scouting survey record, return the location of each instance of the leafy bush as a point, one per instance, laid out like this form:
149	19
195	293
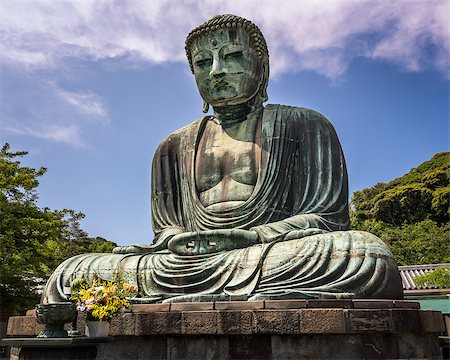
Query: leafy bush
403	204
33	240
411	213
439	277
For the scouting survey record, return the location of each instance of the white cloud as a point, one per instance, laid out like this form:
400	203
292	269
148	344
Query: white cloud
322	36
69	133
87	103
39	41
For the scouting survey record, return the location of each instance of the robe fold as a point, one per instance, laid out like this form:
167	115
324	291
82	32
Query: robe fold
301	186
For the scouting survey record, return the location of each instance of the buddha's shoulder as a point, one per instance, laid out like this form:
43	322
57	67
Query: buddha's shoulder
185	132
294	113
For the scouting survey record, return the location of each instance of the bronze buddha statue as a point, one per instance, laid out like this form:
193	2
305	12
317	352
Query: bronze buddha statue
248	203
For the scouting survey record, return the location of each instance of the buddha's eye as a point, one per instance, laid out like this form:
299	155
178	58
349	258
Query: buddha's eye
235	55
202	63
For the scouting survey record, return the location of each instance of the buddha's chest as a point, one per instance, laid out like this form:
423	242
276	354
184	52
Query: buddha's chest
222	157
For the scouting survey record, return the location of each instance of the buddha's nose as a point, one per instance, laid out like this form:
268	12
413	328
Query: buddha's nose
218	69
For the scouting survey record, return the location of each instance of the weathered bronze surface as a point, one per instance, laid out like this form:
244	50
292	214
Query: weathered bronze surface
54	316
248	203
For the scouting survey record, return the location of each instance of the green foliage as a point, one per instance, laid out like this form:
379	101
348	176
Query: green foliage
412	244
435	179
16	182
440	204
439	277
402	204
410	213
361	202
418	195
33	240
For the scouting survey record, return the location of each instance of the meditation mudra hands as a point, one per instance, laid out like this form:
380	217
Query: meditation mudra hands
213	241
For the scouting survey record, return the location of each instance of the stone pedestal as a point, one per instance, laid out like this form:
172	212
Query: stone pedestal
54	348
291	329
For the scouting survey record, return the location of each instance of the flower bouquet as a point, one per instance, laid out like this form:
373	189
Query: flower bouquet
101	300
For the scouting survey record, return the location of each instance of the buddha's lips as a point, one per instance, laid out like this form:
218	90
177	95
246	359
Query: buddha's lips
219	84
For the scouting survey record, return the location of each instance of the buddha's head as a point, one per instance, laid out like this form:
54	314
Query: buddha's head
229	59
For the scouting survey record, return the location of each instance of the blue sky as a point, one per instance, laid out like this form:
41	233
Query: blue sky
91	88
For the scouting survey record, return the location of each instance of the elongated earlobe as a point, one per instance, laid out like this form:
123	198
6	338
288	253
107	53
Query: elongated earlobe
205	107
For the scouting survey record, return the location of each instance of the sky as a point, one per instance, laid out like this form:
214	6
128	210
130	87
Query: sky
90	88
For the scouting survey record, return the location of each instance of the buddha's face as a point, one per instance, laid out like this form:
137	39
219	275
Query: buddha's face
226	68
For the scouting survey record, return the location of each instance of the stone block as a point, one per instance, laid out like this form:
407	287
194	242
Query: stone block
439	321
446	319
158	323
31	312
372	304
23	326
322	321
370	320
418	346
199	322
197	347
431	321
285	304
192	306
378	345
135	348
239	322
330	303
51	353
123	325
334	346
239	305
250	347
289	347
144	308
406	304
406	320
276	322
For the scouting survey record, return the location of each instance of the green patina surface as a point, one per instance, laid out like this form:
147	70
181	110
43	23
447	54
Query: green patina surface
54	316
250	202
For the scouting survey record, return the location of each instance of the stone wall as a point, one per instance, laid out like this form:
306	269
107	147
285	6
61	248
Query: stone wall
297	329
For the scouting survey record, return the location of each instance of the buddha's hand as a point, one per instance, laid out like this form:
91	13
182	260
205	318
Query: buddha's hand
133	249
212	241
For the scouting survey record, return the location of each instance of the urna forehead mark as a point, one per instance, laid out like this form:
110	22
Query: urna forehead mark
219	38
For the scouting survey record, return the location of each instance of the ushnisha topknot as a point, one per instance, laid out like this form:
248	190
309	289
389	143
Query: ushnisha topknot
228	21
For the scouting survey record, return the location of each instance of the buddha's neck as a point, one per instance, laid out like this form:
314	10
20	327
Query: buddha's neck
231	115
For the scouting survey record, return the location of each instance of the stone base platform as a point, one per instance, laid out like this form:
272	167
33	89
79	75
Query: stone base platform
290	329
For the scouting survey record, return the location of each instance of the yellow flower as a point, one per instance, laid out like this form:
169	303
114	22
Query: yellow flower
102	300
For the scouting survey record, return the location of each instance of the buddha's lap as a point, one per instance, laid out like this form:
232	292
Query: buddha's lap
335	245
330	247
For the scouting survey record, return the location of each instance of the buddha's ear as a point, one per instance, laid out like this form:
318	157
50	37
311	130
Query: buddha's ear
205	107
265	82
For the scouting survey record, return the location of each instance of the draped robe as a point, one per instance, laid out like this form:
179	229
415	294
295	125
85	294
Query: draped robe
301	185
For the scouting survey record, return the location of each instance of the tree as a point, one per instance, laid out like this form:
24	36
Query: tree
439	277
411	213
33	240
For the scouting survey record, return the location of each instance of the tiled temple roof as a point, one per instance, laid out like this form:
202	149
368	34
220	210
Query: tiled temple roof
408	273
